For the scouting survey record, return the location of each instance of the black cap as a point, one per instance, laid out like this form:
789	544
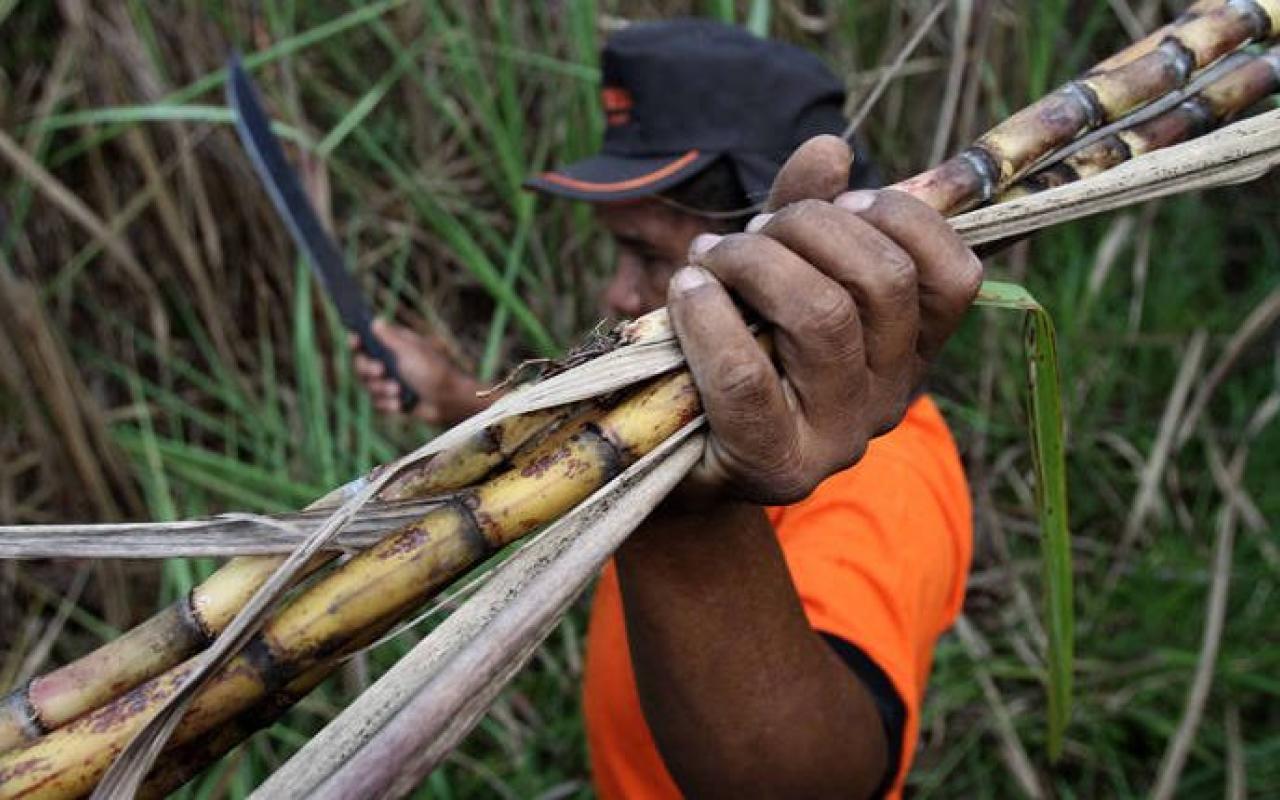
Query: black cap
680	94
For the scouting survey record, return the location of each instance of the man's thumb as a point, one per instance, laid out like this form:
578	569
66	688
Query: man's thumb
817	170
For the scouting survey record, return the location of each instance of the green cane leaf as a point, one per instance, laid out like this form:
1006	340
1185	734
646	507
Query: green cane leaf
1049	455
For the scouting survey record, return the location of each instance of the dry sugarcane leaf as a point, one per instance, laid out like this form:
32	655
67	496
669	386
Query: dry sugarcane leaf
1234	154
223	535
406	722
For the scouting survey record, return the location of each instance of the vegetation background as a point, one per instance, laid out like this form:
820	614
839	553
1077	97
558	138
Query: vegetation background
165	354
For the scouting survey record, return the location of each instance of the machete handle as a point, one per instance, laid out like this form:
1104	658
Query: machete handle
374	348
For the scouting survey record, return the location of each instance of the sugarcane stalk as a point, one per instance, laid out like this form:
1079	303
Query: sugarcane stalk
187	625
377	585
1149	42
1220	101
184	762
1002	156
189	759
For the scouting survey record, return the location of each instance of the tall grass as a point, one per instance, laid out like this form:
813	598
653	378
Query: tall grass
415	121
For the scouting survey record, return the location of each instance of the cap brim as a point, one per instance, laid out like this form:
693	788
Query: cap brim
606	178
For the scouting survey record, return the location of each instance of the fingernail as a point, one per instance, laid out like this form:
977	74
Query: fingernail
856	201
704	242
687	279
757	222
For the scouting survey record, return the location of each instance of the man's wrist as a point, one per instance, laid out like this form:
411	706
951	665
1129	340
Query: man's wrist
679	524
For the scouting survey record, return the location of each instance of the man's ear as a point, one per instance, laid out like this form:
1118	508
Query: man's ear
817	170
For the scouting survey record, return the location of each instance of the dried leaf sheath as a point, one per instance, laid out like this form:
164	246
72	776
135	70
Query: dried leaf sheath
1002	155
49	701
1218	102
376	586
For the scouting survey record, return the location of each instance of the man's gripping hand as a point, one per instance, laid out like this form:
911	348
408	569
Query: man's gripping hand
859	290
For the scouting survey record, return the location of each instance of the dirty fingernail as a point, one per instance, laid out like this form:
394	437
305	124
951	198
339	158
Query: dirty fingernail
856	201
704	242
688	279
757	222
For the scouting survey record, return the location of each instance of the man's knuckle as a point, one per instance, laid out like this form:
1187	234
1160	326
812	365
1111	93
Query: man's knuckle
969	278
791	212
896	273
726	257
830	315
742	378
902	204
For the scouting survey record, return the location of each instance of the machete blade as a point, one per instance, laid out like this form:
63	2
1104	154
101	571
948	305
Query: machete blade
293	205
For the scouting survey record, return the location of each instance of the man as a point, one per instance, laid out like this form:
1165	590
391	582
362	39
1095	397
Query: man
767	632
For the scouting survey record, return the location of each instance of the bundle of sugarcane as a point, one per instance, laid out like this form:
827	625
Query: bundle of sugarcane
540	453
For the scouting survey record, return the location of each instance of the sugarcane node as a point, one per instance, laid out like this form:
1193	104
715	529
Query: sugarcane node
1201	117
190	614
1268	12
471	529
1180	58
18	707
1226	28
269	667
1099	157
1084	94
985	167
617	456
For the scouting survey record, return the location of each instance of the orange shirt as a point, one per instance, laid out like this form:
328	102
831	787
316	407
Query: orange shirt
879	555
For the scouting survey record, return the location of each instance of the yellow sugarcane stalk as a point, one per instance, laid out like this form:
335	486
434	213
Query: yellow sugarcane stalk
1149	42
1217	103
1001	156
49	701
380	584
186	761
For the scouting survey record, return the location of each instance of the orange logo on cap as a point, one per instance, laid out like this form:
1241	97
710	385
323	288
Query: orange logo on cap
617	104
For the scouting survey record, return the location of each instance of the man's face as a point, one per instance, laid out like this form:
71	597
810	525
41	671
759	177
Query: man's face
652	240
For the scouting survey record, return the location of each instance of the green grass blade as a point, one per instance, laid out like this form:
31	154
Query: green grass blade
464	244
515	259
759	16
1049	454
160	112
721	10
320	33
313	391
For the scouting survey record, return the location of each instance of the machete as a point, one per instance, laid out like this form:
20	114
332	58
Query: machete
282	184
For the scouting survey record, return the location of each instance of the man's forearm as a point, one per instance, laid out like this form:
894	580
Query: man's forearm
741	695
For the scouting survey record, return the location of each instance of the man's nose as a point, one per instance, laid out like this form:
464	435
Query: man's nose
622	296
